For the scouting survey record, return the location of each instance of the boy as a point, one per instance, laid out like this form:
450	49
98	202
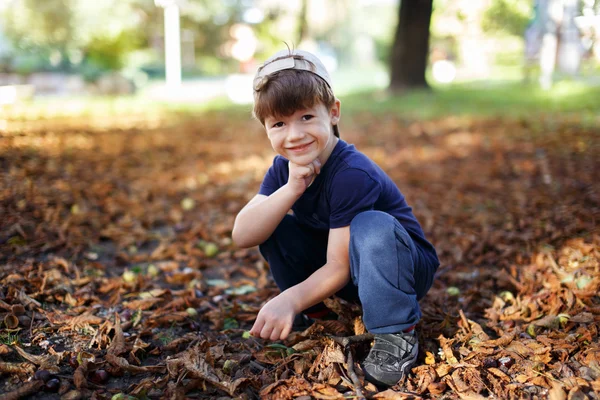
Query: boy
349	221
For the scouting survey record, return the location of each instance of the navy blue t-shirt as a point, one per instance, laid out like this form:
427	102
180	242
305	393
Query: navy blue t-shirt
348	184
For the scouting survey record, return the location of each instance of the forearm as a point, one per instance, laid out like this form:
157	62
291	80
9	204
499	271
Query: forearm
323	283
256	222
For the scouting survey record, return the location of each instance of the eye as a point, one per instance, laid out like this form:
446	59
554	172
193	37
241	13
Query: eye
307	117
277	125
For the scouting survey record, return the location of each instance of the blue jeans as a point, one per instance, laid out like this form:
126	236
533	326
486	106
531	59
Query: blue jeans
389	273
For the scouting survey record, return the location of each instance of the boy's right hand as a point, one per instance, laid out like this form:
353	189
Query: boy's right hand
301	176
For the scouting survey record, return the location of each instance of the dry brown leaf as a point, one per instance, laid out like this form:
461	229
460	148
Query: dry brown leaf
443	369
79	377
306	345
141	304
390	394
325	392
332	353
446	345
25	390
83	321
47	361
500	342
426	377
583	318
557	392
117	345
124	365
498	373
281	389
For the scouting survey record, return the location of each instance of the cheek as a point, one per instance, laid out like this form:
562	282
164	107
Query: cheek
275	140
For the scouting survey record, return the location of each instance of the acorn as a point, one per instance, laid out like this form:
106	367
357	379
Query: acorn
52	385
42	375
506	362
126	315
99	377
489	362
73	361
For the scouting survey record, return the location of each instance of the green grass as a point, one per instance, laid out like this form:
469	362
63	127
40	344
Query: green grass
512	100
485	99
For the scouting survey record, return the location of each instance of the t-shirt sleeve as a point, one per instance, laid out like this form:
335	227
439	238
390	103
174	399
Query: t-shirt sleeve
272	181
351	192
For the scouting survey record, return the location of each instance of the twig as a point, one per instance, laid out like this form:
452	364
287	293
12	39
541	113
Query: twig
31	324
346	340
5	306
547	376
23	391
17	368
353	376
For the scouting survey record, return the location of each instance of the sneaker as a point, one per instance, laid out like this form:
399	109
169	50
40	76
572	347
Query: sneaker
391	357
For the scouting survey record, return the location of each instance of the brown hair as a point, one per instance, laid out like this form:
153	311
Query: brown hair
287	91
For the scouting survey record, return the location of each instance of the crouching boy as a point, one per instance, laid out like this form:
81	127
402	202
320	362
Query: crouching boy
351	233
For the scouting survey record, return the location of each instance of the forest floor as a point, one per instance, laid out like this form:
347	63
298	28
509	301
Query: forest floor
118	277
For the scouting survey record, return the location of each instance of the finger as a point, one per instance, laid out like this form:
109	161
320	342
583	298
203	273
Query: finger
257	327
266	331
286	331
275	333
311	169
317	165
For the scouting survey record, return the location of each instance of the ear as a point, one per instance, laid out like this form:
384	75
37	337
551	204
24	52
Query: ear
335	112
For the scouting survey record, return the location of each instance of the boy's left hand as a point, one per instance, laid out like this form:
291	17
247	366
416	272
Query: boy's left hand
275	319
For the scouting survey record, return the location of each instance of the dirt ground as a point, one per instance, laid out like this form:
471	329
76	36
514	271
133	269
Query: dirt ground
118	277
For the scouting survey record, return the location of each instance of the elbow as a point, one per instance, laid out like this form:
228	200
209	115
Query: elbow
240	239
237	239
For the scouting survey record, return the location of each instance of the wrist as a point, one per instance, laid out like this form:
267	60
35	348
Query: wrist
293	191
293	299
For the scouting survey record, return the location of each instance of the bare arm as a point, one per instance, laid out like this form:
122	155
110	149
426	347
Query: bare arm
259	218
274	321
328	279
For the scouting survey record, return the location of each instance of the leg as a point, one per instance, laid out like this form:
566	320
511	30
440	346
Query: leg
386	266
294	252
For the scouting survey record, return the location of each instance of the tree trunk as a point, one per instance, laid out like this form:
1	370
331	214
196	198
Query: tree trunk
411	45
302	22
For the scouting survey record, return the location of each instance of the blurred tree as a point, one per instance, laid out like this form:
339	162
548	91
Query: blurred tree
33	23
507	16
75	32
411	45
302	22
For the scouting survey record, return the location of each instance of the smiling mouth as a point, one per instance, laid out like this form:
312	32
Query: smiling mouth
300	148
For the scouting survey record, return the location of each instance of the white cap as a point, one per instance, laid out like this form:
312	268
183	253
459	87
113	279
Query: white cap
291	59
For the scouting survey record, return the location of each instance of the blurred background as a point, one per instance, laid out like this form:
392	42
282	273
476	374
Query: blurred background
199	50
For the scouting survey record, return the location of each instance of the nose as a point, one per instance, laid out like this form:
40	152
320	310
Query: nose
296	132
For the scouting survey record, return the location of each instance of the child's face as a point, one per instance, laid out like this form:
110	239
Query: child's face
306	134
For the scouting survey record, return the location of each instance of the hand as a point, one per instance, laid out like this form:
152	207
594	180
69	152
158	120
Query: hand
275	319
301	176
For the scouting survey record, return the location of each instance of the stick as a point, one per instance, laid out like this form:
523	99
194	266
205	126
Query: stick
353	376
17	368
346	340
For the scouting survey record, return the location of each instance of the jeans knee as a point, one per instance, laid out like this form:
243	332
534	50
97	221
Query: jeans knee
371	223
370	228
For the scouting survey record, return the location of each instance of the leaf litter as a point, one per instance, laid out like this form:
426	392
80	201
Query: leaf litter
118	277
